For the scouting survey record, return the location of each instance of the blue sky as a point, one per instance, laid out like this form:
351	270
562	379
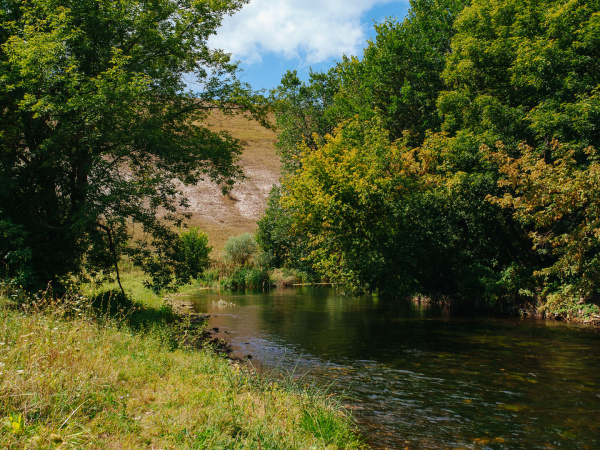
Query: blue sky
270	37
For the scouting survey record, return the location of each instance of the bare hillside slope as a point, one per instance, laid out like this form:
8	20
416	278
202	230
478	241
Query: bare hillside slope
224	216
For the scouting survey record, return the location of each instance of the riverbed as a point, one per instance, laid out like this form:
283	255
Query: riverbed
418	375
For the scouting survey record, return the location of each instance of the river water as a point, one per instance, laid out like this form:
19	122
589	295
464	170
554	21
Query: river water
422	376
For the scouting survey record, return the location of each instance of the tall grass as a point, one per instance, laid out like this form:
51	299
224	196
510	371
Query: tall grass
74	377
231	276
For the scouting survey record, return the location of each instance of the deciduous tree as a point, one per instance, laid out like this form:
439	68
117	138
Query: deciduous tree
101	110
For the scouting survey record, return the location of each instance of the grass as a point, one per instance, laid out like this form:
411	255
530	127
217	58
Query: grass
72	376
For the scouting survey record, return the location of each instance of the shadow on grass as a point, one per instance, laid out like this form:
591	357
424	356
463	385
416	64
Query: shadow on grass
176	330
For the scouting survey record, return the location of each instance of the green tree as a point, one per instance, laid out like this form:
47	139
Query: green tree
399	75
239	250
98	127
303	113
525	71
524	79
397	81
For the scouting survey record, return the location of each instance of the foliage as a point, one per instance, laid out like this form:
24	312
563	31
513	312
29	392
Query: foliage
14	424
524	80
194	253
399	75
274	236
239	250
398	79
462	164
340	204
247	278
289	277
303	113
386	217
559	202
98	129
525	71
188	256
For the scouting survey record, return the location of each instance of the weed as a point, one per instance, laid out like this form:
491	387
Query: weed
14	424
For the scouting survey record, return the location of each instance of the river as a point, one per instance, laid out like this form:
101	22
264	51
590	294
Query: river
417	375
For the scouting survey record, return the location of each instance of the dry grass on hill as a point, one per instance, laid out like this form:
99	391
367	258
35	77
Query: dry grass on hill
222	217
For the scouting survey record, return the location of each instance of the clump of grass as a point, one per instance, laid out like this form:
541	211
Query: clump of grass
234	277
247	278
68	379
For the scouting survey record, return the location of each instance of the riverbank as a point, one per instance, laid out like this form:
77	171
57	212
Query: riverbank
423	375
561	311
73	377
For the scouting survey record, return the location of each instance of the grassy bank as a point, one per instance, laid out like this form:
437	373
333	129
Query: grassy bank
73	378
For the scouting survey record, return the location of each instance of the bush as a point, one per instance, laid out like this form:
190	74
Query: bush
194	251
175	260
289	277
239	250
247	278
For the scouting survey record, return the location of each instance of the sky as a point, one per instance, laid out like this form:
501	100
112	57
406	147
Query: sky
269	37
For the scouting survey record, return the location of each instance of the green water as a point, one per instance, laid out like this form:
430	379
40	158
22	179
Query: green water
421	376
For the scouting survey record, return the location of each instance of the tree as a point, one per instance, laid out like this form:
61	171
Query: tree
525	71
399	75
524	80
346	206
559	203
303	113
396	84
240	250
99	127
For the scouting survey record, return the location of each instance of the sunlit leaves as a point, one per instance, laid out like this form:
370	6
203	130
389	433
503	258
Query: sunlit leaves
560	203
98	126
342	203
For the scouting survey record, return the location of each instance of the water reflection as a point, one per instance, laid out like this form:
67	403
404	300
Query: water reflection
423	376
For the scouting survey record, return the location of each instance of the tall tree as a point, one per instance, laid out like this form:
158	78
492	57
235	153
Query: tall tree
303	113
399	75
525	71
101	108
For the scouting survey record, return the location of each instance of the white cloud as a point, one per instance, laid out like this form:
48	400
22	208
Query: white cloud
312	30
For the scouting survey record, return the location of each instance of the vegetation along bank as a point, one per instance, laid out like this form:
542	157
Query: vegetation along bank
457	159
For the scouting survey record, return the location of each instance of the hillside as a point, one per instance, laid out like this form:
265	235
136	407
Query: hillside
224	216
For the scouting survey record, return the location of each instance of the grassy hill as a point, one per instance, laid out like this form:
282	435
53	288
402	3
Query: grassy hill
224	216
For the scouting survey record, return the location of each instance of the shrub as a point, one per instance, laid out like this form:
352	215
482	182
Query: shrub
194	251
247	278
239	250
288	277
176	261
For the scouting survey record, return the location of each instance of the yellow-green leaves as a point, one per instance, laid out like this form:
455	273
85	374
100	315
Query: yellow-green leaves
15	424
341	200
559	202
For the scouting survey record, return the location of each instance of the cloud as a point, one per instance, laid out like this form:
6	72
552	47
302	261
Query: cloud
310	30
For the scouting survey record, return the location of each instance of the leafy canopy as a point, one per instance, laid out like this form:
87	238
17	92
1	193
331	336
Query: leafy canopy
102	107
490	111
